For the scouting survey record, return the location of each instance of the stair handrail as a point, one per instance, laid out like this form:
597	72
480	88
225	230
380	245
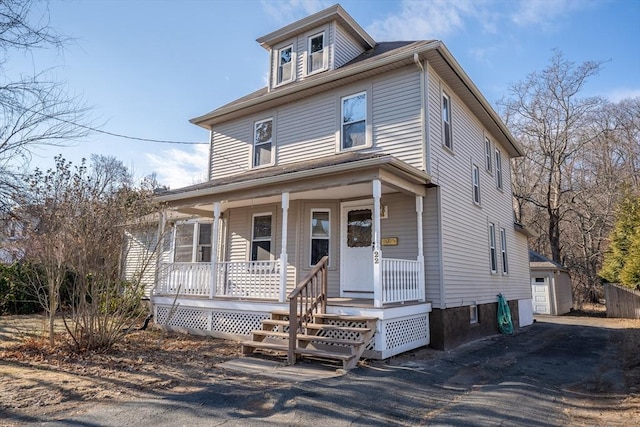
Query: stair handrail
307	299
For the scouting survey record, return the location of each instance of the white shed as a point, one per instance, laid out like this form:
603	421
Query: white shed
550	286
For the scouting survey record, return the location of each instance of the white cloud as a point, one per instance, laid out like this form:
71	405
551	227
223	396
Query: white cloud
424	20
543	12
287	11
618	95
179	168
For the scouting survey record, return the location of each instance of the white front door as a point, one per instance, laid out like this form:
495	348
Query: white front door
356	252
540	295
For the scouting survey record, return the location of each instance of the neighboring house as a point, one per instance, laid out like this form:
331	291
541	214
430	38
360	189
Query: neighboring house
384	157
550	286
11	234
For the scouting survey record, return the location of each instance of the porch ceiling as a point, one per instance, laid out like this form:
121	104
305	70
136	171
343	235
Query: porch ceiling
337	180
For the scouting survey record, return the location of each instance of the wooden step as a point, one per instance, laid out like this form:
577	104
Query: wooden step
344	317
274	322
264	333
324	354
329	326
249	346
330	340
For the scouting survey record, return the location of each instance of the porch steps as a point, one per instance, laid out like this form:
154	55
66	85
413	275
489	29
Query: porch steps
320	340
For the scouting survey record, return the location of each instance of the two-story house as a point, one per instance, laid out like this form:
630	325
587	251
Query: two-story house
374	178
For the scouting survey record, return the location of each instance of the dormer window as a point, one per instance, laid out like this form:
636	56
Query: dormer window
317	60
285	64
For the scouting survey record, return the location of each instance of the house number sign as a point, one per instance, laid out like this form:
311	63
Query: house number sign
376	257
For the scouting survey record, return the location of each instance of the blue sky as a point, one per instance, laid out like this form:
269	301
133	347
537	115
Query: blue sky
147	67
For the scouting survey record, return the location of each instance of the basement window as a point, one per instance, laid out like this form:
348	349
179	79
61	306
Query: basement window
473	314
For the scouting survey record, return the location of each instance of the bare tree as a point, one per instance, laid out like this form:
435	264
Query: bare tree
33	109
549	117
80	220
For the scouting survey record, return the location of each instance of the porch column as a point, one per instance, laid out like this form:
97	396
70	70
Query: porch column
283	252
162	218
377	253
214	248
419	210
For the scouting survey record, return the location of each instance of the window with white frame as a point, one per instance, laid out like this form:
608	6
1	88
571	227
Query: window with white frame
503	251
261	238
487	153
476	184
492	247
320	235
192	242
262	142
285	64
354	121
498	169
317	59
446	121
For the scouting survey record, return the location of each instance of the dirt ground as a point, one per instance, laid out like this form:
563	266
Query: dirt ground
38	380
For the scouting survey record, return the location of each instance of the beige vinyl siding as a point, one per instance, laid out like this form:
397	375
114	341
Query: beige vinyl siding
231	148
346	48
300	46
306	130
401	222
465	247
140	257
431	236
396	116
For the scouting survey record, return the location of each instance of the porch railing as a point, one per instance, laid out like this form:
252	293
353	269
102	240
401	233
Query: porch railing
185	278
250	279
401	281
308	298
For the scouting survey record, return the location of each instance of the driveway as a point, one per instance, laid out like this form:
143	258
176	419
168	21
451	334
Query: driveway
559	371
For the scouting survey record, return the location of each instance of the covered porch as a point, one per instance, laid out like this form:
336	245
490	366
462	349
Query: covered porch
251	240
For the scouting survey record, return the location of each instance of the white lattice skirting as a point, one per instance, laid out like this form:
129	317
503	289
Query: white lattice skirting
218	323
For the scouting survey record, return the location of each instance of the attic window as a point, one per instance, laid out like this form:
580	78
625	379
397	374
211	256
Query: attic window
285	64
317	60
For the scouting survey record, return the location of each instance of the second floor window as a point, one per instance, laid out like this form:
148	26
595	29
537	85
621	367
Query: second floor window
487	153
317	56
285	64
354	121
446	122
262	143
498	170
476	184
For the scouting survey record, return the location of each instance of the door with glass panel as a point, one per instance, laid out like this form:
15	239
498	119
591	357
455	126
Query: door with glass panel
356	266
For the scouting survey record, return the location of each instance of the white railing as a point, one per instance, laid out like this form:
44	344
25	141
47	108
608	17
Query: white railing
185	278
401	281
251	279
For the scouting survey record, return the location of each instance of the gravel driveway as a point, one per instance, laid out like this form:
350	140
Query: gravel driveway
559	371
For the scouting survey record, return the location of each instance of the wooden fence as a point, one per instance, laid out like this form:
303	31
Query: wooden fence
622	302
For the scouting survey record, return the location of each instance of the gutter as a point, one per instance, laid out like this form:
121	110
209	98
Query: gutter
292	176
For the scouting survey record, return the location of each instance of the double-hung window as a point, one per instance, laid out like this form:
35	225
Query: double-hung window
261	238
446	122
285	64
476	184
192	242
262	142
320	235
487	153
498	169
492	248
354	121
503	250
317	54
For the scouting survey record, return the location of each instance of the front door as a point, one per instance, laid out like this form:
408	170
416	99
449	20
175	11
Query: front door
356	259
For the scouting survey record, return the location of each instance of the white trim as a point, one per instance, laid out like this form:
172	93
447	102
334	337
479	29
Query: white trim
271	143
325	53
377	252
214	247
283	252
328	238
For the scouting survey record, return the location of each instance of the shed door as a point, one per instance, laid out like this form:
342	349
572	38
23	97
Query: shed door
540	295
